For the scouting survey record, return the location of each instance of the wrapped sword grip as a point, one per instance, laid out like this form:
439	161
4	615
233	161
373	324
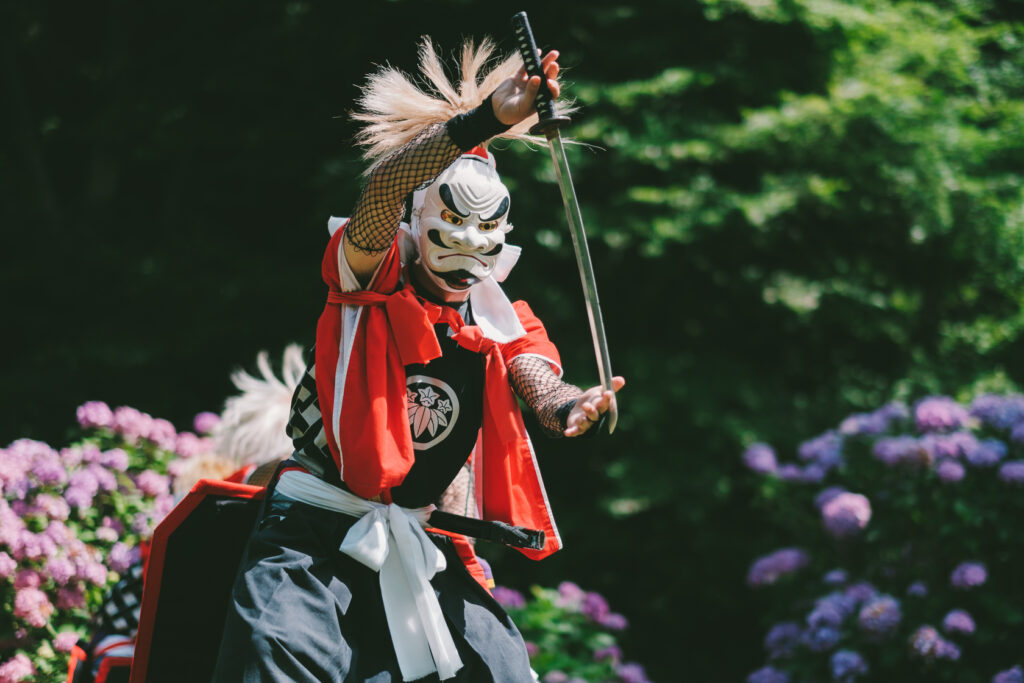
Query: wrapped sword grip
527	46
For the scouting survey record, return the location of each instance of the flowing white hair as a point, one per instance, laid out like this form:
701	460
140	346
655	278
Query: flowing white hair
395	109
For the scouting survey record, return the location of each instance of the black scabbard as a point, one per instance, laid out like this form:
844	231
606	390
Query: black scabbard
496	532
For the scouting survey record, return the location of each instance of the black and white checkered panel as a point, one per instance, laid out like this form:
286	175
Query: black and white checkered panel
119	613
306	427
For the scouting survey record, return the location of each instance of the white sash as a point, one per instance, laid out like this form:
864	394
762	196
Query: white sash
390	540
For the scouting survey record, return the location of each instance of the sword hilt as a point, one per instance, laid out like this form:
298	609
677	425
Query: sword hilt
550	120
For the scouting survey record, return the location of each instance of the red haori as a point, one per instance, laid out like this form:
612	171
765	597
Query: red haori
396	328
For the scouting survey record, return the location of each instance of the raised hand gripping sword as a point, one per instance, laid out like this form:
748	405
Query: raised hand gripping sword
549	124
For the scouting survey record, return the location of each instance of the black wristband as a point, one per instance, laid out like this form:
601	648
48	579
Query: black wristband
475	126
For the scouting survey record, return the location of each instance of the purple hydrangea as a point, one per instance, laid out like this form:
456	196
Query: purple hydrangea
898	449
987	453
847	665
880	616
1012	472
509	598
846	514
1001	412
770	568
768	675
820	639
968	575
825	450
958	621
631	672
926	643
1014	675
918	589
613	621
93	414
782	639
950	471
952	445
760	458
861	592
940	413
1017	433
836	577
556	676
594	606
790	472
611	652
570	595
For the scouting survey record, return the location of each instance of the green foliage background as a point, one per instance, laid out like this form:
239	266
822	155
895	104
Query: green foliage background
798	208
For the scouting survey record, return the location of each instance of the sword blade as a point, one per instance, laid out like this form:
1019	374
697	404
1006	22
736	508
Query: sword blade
586	267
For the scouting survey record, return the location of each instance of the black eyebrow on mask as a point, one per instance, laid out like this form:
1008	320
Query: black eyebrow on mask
449	200
502	210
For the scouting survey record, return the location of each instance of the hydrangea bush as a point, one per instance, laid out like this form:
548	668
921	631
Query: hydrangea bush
905	557
70	523
571	635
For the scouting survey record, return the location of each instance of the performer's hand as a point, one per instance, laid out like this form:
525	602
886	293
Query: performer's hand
513	99
590	406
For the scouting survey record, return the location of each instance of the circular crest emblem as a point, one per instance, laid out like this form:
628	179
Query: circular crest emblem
433	409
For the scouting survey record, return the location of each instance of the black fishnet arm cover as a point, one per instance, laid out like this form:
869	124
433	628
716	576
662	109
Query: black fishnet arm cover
382	202
547	395
380	206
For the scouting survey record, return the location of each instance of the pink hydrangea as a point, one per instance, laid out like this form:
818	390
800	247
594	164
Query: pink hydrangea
61	570
152	483
846	514
115	459
163	434
15	669
205	422
188	445
94	414
52	506
71	597
32	606
65	641
120	558
7	565
131	423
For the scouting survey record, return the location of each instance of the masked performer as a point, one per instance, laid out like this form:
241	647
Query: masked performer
418	352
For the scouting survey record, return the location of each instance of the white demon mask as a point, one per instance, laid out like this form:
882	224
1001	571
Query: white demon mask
460	223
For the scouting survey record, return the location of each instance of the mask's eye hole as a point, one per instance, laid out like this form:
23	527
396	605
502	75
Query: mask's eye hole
450	217
487	226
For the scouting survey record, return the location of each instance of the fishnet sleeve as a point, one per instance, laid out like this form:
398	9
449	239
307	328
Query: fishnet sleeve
380	206
547	395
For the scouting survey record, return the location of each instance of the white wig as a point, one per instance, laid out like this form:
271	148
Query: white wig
395	109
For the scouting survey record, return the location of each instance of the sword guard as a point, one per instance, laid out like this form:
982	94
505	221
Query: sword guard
549	126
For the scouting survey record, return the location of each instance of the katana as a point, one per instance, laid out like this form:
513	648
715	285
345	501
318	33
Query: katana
550	123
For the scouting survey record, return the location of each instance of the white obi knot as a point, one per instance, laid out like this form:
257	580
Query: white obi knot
390	540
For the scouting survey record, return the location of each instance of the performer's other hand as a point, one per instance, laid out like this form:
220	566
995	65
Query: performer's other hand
513	99
589	407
